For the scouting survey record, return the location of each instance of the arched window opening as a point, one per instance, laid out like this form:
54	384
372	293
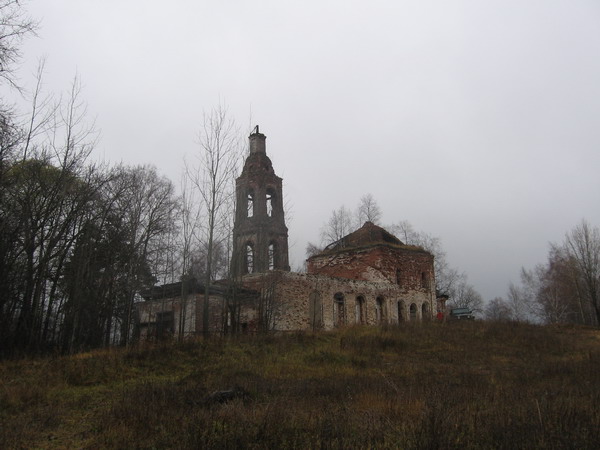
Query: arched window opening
379	310
425	311
401	317
272	256
315	310
249	258
413	311
339	318
270	202
424	280
398	277
360	309
250	203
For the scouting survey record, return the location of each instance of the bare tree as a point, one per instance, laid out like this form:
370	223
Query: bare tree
190	219
404	231
583	245
465	296
312	249
43	202
339	225
562	289
146	205
368	210
217	165
15	25
497	309
519	302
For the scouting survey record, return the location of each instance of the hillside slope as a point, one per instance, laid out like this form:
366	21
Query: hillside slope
467	385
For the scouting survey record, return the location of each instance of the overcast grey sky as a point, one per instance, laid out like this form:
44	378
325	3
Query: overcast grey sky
476	121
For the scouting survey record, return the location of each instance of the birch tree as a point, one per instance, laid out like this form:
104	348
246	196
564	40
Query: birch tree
212	173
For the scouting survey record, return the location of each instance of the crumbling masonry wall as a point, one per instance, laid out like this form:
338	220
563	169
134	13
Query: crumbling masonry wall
411	268
312	302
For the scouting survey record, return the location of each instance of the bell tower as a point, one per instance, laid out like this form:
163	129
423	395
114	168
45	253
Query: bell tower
260	237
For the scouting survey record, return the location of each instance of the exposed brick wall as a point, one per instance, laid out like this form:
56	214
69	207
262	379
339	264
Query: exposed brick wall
380	263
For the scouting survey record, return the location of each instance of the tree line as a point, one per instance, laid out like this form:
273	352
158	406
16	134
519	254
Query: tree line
79	241
564	289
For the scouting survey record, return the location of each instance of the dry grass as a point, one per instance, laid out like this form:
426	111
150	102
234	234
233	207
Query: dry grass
467	385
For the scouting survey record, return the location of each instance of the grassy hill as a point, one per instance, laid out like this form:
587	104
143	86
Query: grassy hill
468	385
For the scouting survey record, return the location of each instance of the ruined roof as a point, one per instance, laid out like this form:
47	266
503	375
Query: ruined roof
368	235
193	286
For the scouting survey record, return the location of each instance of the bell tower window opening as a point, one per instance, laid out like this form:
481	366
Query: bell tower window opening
270	202
250	203
249	258
272	256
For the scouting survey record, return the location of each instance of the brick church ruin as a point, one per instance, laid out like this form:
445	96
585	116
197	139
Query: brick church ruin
368	277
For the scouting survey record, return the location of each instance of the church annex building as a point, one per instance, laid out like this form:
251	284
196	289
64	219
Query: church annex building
368	277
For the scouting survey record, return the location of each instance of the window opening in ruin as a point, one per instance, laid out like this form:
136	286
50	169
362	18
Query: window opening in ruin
250	204
249	258
379	310
270	202
424	280
425	311
360	309
398	277
338	310
413	311
400	311
272	256
165	324
315	310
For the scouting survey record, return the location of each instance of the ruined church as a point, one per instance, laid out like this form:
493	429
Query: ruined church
368	277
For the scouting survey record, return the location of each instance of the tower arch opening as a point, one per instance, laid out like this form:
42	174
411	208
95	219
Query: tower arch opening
250	203
271	199
249	260
272	256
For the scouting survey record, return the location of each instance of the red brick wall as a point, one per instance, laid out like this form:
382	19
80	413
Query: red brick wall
377	263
